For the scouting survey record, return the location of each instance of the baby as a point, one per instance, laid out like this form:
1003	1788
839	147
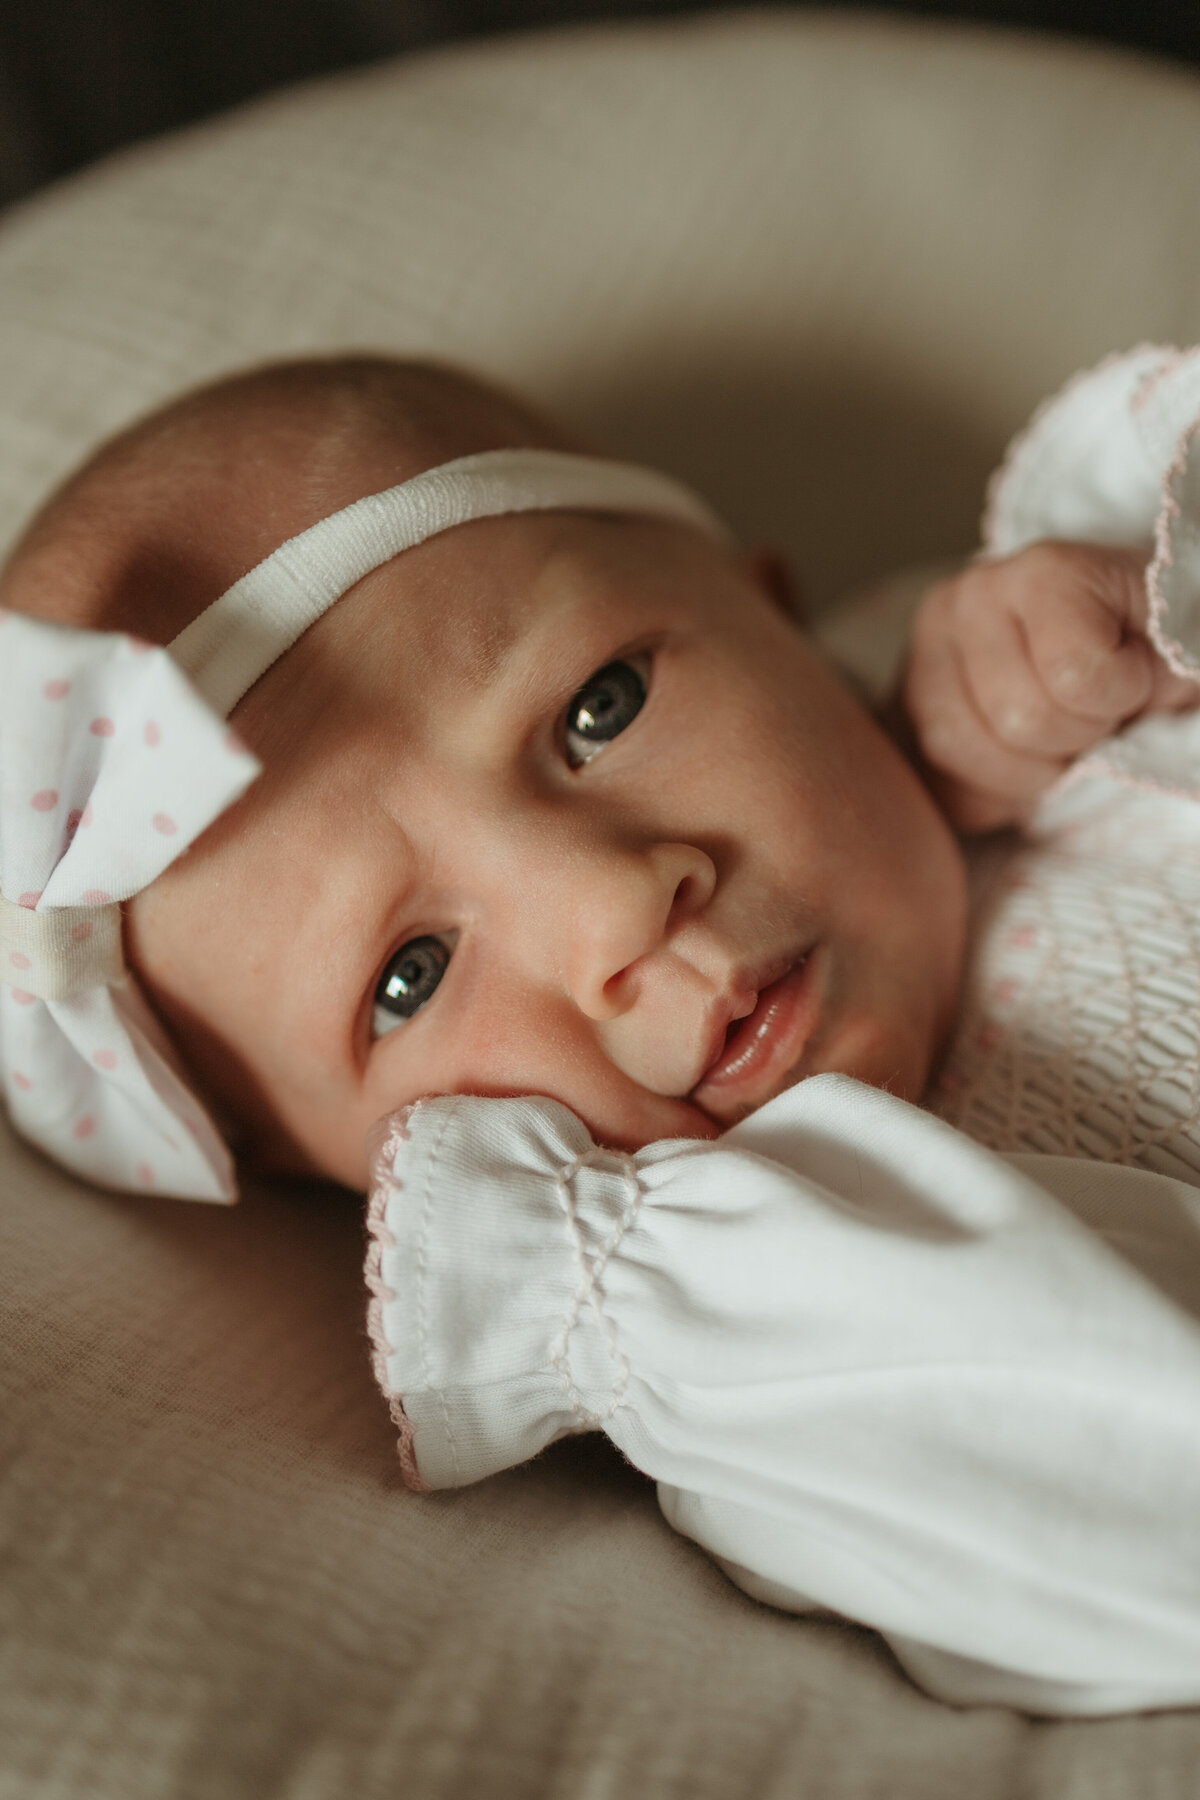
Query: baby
548	804
558	801
561	802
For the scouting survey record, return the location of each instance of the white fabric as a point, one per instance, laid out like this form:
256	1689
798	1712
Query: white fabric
931	1401
238	637
110	766
55	955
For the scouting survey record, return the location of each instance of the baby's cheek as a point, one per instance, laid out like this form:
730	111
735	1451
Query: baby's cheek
887	1053
535	1055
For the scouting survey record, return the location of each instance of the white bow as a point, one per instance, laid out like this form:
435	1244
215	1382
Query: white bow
111	765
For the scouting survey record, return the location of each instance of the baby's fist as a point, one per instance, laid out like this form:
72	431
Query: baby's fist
1019	664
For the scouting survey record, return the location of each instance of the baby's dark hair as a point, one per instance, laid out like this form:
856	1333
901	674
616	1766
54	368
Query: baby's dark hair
163	517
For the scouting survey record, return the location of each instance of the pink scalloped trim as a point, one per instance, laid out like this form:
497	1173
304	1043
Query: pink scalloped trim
1175	360
384	1188
1169	648
1097	765
1002	478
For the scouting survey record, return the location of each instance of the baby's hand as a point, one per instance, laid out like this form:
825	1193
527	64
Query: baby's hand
1019	664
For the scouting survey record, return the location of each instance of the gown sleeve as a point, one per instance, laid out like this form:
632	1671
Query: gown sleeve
962	1407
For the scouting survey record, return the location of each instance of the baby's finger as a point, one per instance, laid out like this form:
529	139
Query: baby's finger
1006	686
1083	609
981	782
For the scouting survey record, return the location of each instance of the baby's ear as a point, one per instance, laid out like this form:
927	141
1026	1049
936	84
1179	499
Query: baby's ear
771	571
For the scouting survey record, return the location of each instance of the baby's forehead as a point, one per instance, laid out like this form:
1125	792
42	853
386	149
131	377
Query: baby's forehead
497	622
452	614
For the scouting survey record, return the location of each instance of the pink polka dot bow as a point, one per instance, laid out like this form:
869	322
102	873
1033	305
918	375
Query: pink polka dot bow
111	764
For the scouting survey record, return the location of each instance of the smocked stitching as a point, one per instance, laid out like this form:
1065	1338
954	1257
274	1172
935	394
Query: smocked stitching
589	1292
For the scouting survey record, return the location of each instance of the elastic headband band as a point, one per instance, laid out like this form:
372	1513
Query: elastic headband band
240	635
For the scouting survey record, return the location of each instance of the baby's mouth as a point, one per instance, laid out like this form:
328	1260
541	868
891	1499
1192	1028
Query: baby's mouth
761	1048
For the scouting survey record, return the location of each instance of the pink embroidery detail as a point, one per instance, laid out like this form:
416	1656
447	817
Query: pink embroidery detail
165	823
95	897
380	1237
84	1128
31	899
82	932
152	734
1100	1057
21	997
1023	936
21	1081
45	800
18	959
102	728
105	1059
56	690
1003	992
85	817
145	1174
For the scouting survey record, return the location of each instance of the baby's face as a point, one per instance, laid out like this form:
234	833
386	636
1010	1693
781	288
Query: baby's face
564	805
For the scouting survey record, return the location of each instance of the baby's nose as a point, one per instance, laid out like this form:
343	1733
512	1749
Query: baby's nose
634	906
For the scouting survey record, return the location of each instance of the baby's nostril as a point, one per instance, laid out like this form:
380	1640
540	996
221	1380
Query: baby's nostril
687	897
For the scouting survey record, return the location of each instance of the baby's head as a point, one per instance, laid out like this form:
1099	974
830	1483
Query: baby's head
557	802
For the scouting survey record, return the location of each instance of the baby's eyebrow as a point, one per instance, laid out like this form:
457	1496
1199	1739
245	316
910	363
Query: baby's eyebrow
472	645
488	643
486	646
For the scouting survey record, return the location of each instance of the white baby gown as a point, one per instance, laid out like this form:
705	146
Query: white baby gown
873	1365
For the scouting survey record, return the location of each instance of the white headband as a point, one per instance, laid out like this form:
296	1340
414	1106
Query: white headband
112	762
240	635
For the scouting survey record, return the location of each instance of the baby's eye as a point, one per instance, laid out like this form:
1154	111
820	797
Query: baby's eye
604	706
408	981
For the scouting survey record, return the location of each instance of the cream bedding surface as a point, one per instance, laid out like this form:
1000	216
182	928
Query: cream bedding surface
821	266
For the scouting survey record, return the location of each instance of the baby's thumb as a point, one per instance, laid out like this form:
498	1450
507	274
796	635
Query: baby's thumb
1118	579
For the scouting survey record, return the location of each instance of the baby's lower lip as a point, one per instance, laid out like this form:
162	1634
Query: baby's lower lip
763	1047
